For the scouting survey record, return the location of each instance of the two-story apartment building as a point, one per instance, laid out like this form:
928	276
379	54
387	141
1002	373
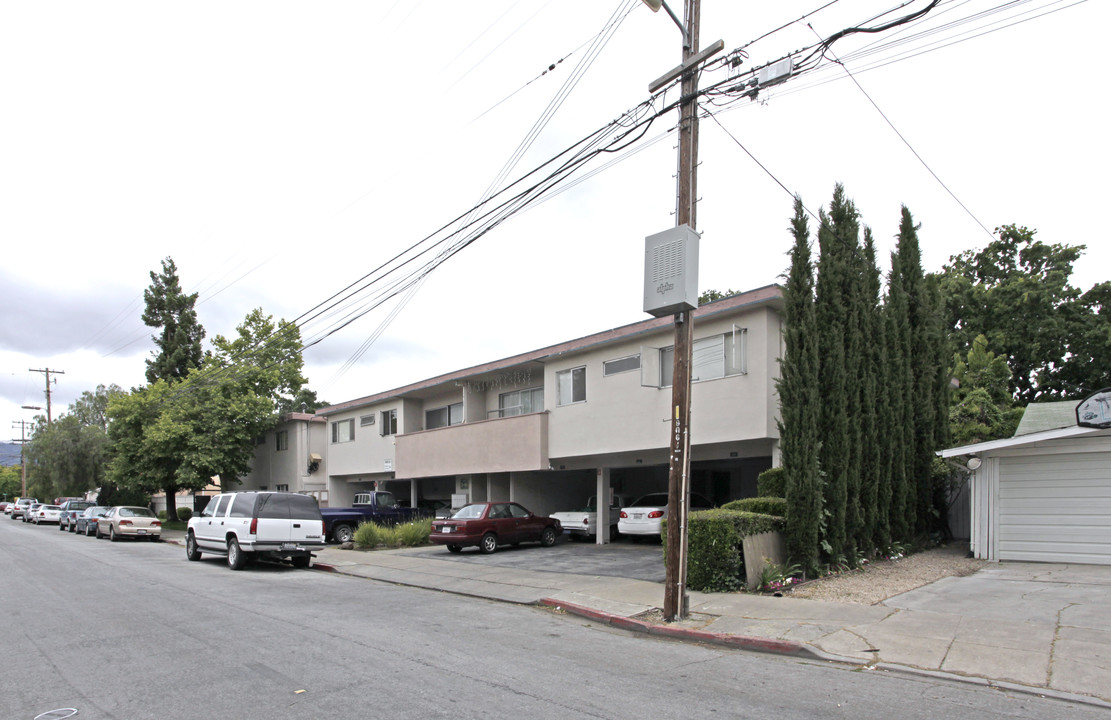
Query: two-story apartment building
551	427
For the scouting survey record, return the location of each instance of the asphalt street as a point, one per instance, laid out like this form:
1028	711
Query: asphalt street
134	630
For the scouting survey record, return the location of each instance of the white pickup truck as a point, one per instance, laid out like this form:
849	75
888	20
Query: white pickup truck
584	523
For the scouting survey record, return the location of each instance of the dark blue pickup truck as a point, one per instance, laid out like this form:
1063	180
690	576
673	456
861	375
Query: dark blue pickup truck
379	507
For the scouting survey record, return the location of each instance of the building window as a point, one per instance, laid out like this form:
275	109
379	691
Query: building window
443	416
714	357
282	488
282	438
389	422
620	365
571	386
521	402
343	431
366	420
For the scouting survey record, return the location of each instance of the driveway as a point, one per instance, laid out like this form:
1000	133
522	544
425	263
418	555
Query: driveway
620	559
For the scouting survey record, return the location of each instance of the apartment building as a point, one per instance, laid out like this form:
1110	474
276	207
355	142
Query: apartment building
551	427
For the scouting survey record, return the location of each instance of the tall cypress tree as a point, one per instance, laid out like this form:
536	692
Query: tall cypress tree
869	537
833	329
899	388
799	401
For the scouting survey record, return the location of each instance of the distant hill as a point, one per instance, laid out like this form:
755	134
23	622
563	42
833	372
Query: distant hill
9	454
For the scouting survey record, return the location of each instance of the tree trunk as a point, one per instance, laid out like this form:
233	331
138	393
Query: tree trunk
171	503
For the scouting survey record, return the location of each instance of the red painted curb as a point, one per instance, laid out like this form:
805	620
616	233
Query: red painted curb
744	642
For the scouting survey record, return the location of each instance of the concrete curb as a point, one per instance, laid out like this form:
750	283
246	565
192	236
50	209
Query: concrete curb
742	642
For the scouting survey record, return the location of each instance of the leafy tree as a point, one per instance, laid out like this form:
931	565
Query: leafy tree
712	295
171	310
1016	292
68	457
303	401
11	481
799	402
982	408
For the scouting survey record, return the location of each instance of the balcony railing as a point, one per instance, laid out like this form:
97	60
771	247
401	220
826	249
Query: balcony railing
511	444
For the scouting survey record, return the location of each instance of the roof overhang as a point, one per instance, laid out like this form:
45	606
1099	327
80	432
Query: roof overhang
1020	441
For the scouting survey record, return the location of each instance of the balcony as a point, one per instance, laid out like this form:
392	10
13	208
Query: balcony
512	444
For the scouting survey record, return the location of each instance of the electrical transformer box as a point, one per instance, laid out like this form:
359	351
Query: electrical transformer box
671	271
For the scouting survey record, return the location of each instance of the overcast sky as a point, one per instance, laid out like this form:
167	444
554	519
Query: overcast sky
280	151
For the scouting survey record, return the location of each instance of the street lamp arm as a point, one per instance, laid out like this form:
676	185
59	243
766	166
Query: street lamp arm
655	5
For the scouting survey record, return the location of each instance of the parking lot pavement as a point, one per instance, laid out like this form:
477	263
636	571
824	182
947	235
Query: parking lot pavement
620	559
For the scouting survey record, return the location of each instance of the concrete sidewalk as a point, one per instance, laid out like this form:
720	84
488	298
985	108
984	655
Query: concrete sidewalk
1026	626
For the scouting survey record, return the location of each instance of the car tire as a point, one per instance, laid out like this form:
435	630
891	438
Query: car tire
455	548
547	537
98	535
88	530
489	543
112	534
237	560
192	552
61	527
343	533
72	527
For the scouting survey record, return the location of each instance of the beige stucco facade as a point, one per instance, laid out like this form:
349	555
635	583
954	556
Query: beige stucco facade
551	427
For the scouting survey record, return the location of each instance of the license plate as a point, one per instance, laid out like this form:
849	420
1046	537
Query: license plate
638	516
446	529
140	532
289	546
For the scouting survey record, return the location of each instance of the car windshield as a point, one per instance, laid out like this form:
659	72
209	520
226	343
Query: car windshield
470	512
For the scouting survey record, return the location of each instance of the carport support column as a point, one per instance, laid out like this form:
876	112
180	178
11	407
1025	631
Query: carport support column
602	492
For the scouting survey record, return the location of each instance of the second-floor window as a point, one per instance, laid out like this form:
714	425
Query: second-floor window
443	416
282	438
388	425
571	385
343	431
713	357
521	402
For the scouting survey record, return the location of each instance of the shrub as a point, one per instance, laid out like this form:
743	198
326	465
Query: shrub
367	535
183	514
772	483
715	556
763	505
162	515
415	533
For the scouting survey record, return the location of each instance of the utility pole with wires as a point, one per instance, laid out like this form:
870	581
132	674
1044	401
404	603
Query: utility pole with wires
671	287
22	425
47	371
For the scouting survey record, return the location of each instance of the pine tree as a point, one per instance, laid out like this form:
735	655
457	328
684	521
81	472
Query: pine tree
179	342
871	459
799	401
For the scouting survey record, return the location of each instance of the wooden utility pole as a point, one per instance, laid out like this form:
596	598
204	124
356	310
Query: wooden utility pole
22	461
47	371
678	478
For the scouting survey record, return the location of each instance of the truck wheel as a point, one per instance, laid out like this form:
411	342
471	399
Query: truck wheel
301	562
191	550
343	534
547	537
455	548
489	543
236	559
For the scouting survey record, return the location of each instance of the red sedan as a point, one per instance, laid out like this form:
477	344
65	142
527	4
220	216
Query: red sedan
488	525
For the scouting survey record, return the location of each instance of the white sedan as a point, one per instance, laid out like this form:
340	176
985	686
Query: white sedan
645	517
46	514
126	521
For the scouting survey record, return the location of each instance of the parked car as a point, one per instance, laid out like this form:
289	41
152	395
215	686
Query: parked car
490	524
645	516
86	521
244	525
46	514
379	506
583	523
70	510
21	506
4	506
128	521
30	511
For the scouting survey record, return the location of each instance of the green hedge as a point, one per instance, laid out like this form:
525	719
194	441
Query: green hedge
715	556
762	505
772	483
